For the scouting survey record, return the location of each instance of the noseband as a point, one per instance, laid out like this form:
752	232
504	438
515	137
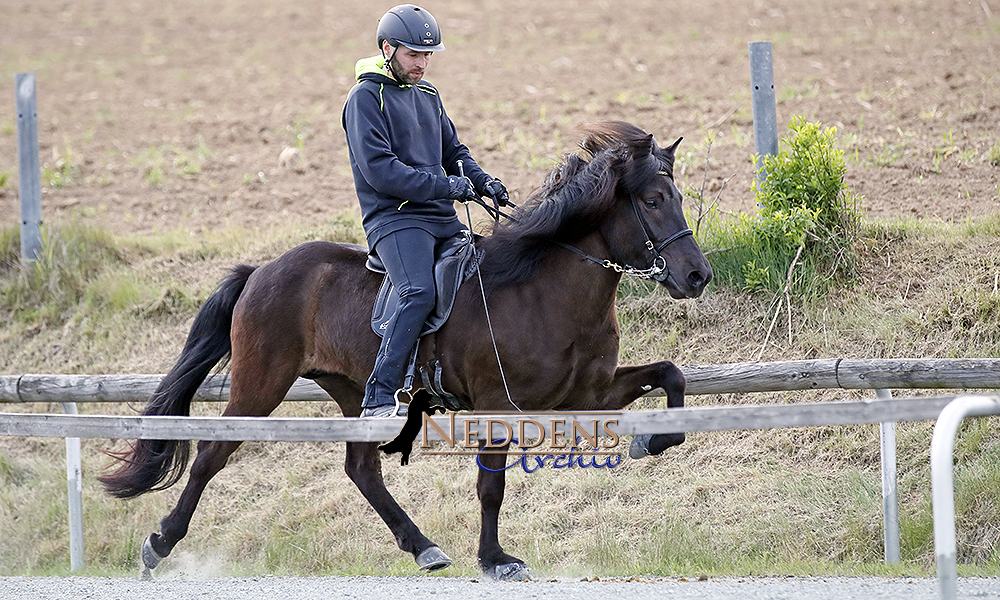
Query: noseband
657	270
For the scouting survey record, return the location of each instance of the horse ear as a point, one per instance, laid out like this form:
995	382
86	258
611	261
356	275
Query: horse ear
667	156
673	147
649	144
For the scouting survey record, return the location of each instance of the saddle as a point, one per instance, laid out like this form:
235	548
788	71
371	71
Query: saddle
454	262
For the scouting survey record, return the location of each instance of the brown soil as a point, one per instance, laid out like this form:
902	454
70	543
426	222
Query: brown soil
164	115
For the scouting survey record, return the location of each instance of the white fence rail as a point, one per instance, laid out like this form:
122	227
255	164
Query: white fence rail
340	429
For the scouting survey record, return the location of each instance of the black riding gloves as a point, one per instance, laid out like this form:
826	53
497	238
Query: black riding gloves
460	188
497	191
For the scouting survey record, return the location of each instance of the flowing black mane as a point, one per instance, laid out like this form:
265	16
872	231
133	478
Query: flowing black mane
574	199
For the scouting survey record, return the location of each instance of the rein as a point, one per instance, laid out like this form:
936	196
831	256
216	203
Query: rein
658	264
482	288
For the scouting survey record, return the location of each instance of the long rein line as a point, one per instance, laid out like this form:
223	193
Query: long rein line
482	289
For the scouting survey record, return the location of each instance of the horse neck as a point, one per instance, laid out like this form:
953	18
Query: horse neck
592	288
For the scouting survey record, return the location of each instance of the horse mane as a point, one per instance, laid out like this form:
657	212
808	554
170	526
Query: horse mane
574	199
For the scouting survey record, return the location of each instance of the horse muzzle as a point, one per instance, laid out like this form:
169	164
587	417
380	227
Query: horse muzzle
691	286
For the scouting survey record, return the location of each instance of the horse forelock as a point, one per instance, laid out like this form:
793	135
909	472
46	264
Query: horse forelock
646	159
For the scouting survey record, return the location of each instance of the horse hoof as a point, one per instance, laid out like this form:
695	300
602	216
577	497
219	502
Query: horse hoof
149	560
640	446
653	444
433	559
511	572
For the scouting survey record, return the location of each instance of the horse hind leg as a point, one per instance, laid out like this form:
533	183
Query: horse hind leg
363	466
255	396
212	457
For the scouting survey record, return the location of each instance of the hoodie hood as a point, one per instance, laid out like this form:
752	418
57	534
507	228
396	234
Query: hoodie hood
373	69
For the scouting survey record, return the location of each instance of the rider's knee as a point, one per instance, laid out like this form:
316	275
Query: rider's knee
419	295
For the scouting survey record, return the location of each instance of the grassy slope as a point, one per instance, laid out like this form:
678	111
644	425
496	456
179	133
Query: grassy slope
783	501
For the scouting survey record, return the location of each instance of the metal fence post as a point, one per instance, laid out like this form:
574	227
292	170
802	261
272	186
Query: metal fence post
74	486
765	119
890	502
943	484
28	168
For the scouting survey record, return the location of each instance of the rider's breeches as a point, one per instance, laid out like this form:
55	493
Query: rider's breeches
408	256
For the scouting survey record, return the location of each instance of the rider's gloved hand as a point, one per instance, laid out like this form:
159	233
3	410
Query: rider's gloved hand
460	188
497	191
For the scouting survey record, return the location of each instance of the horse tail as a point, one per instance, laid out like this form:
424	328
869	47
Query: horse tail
151	465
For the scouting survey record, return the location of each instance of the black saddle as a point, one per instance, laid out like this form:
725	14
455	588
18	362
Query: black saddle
455	261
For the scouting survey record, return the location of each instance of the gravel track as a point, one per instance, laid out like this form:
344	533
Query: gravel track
422	588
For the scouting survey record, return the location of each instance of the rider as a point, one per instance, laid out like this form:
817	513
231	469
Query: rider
404	152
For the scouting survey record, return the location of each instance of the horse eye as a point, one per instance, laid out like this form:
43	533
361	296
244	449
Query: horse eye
651	202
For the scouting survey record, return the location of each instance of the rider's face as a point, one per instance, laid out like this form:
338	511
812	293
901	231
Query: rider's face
408	65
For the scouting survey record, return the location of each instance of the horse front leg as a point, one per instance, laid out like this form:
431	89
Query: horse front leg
632	382
494	562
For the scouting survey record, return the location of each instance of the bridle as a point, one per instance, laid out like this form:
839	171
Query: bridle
657	270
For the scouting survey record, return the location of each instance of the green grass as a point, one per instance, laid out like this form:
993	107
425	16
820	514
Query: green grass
70	258
63	171
993	155
790	501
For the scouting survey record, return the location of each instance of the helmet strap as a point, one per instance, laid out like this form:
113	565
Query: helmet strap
388	62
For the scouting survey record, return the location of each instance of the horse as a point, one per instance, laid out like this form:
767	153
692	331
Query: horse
548	279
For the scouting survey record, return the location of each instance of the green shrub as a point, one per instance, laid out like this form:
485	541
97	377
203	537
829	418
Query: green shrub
807	219
810	174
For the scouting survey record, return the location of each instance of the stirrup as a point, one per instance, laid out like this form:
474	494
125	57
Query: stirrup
396	409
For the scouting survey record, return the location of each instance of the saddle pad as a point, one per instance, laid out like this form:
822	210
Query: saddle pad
456	261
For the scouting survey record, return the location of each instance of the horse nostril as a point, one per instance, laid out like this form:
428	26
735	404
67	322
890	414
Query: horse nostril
697	280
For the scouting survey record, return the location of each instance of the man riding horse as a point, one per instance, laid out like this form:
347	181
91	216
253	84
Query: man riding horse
551	276
404	153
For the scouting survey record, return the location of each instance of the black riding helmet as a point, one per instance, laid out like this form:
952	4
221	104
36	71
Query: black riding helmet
409	26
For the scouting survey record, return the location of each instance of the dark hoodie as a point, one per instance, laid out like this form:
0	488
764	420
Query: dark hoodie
402	148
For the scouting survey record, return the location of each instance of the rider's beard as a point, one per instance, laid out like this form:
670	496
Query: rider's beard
397	71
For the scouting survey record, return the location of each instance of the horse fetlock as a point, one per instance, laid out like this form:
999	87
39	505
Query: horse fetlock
662	441
158	546
653	444
149	558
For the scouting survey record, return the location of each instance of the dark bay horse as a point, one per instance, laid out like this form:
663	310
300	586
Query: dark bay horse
550	279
